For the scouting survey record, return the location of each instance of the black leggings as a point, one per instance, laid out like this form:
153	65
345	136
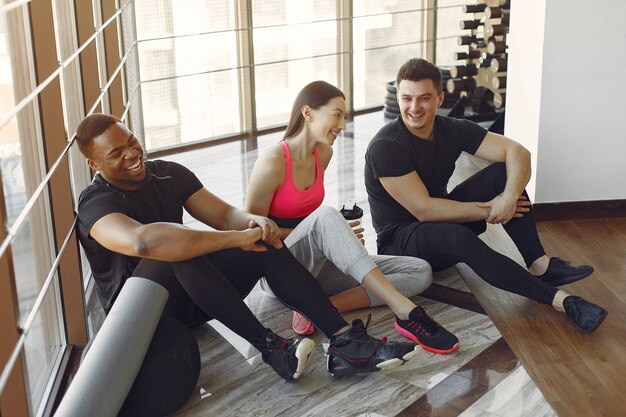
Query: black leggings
218	282
445	244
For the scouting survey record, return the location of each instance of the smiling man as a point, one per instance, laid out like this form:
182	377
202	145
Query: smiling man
408	165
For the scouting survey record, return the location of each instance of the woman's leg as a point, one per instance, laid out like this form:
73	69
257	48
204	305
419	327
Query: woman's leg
346	294
409	275
325	236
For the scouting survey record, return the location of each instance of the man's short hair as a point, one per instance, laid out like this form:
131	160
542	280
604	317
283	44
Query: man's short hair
417	69
92	126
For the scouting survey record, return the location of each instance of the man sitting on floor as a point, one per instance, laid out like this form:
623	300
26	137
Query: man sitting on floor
408	165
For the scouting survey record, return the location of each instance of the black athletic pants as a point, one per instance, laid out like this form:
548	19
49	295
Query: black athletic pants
218	282
445	244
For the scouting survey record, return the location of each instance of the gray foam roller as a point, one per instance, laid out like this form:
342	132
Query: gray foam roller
109	369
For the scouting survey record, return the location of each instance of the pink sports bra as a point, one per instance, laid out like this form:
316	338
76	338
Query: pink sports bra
289	202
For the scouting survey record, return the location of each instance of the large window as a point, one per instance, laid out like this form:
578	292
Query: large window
449	16
294	43
385	35
215	68
188	70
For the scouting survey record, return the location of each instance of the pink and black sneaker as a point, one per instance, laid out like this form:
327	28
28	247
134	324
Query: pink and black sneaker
426	332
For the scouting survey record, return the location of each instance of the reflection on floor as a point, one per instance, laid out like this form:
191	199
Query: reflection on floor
235	381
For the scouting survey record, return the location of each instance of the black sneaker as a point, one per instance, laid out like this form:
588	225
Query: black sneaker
585	316
560	272
288	357
354	351
426	332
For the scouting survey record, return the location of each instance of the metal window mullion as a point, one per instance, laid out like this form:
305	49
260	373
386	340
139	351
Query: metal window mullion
100	57
429	31
111	38
245	64
135	120
120	48
345	45
57	43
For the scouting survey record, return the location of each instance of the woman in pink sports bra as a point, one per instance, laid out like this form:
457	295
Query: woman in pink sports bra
287	184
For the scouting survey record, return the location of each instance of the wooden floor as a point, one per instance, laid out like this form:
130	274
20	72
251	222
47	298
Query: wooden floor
579	375
482	378
594	364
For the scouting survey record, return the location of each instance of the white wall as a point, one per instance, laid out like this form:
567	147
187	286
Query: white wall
568	105
523	101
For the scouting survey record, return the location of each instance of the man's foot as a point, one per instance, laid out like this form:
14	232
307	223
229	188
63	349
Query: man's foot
585	316
288	357
354	351
560	272
301	325
426	332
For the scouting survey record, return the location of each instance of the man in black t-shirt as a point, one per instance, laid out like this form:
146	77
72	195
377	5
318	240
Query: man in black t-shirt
130	224
408	165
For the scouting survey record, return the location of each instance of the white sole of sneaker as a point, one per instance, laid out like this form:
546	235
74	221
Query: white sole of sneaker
395	362
303	352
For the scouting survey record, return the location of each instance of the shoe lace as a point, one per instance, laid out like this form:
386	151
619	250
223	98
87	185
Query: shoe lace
424	325
358	330
274	341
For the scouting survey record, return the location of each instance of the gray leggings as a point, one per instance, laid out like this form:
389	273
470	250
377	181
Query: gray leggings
325	244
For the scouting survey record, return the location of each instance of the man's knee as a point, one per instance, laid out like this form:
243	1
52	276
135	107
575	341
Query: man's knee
478	227
497	171
153	270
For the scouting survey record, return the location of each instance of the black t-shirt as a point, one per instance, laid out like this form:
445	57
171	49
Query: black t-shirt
395	151
160	200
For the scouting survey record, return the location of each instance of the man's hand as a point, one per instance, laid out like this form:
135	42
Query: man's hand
358	230
271	232
503	209
250	240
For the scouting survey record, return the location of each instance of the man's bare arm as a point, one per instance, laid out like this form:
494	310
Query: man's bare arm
168	241
411	193
215	212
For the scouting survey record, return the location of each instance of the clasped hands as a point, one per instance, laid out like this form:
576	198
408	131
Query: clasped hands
260	233
502	208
